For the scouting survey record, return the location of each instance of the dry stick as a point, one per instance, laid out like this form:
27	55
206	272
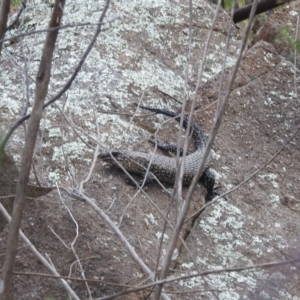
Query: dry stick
204	273
55	28
179	175
151	201
180	167
74	242
140	187
42	81
4	10
172	279
243	13
73	278
41	258
220	94
162	236
154	205
94	158
165	217
67	85
122	238
221	84
13	196
295	57
75	128
100	213
213	133
220	91
17	17
61	240
199	78
247	179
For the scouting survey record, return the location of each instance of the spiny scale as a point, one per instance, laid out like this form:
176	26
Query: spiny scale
164	167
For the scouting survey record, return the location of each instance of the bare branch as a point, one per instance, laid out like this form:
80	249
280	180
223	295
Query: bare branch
55	28
74	242
219	114
180	167
246	180
23	6
40	257
69	82
42	81
4	10
72	278
172	279
122	238
295	58
243	13
216	271
94	158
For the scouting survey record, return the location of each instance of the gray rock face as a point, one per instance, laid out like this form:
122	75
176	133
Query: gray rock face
140	57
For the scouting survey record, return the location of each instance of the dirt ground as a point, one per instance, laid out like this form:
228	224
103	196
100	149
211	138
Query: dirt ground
258	223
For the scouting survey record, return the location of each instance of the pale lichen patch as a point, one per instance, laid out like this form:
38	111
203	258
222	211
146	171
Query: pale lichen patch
159	235
271	177
151	219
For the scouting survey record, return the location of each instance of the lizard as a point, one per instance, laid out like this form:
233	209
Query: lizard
164	167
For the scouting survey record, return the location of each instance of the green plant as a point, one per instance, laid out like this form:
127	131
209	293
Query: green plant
14	3
285	34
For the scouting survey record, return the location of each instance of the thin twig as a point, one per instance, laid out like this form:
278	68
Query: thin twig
23	6
74	242
69	82
94	158
295	56
172	279
56	28
72	278
247	179
107	219
219	114
4	11
204	273
180	167
122	238
42	81
61	240
40	257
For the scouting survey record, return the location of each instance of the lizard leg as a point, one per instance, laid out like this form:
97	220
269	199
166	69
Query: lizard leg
208	180
149	179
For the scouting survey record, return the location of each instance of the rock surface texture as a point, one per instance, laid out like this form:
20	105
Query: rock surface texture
140	57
